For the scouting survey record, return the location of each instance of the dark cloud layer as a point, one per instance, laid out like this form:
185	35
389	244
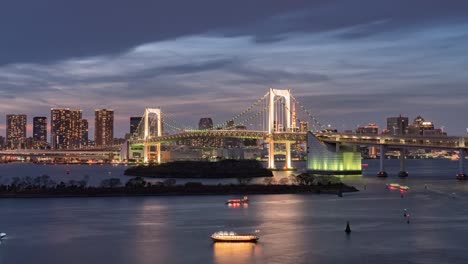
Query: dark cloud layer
48	30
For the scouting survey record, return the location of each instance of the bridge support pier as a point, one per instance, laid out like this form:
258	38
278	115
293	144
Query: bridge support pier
271	154
158	153
382	172
145	153
461	166
288	155
403	173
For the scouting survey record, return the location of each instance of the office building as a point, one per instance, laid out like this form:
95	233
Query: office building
84	132
397	126
39	132
16	131
370	129
205	123
65	128
103	127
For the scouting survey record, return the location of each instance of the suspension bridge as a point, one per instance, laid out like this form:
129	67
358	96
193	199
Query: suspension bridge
272	118
280	120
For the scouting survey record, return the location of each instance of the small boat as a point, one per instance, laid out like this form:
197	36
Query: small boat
393	186
244	200
223	236
404	188
2	235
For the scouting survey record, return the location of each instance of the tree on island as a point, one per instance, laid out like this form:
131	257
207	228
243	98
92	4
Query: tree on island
269	181
169	182
111	183
137	182
284	181
244	180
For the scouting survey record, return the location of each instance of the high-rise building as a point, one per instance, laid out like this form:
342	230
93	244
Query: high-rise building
397	125
370	129
205	123
303	126
65	128
104	127
134	123
84	132
2	142
39	132
16	131
294	118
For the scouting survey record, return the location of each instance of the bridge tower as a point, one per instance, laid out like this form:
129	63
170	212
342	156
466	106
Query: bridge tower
146	134
286	94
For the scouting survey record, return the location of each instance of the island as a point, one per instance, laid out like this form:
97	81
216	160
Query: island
45	187
202	169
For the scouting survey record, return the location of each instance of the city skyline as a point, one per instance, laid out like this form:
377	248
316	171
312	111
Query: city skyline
350	65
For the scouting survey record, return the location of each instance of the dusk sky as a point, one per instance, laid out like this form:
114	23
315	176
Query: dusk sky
349	62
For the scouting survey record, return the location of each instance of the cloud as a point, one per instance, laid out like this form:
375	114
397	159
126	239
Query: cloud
341	68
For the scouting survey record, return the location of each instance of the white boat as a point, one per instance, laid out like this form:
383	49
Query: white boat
2	235
223	236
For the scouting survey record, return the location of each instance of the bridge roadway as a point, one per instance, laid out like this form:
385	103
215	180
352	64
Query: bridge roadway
428	142
406	141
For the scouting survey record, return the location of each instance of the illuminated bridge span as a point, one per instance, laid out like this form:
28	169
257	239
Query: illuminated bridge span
273	118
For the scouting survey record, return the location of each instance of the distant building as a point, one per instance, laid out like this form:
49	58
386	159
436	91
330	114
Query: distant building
16	131
370	129
303	126
424	128
397	126
205	123
39	132
104	127
230	124
65	128
84	132
2	142
134	122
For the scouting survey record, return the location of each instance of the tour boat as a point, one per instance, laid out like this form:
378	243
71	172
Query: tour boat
404	188
2	235
393	186
238	201
223	236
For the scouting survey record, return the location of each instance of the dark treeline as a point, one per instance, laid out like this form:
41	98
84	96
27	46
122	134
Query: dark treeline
44	186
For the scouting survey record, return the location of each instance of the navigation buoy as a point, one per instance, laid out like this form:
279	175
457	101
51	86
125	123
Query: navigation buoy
348	229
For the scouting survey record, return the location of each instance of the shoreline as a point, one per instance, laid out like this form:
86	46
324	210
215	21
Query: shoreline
181	190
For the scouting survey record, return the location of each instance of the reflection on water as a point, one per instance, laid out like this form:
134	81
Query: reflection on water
239	253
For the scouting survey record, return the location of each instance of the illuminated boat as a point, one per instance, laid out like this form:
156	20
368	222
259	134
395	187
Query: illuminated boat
404	188
2	235
223	236
393	186
244	200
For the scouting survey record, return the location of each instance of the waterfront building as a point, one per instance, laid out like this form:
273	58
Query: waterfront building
397	125
84	132
205	123
370	129
65	128
39	132
422	127
16	131
303	126
294	118
2	142
134	122
104	127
